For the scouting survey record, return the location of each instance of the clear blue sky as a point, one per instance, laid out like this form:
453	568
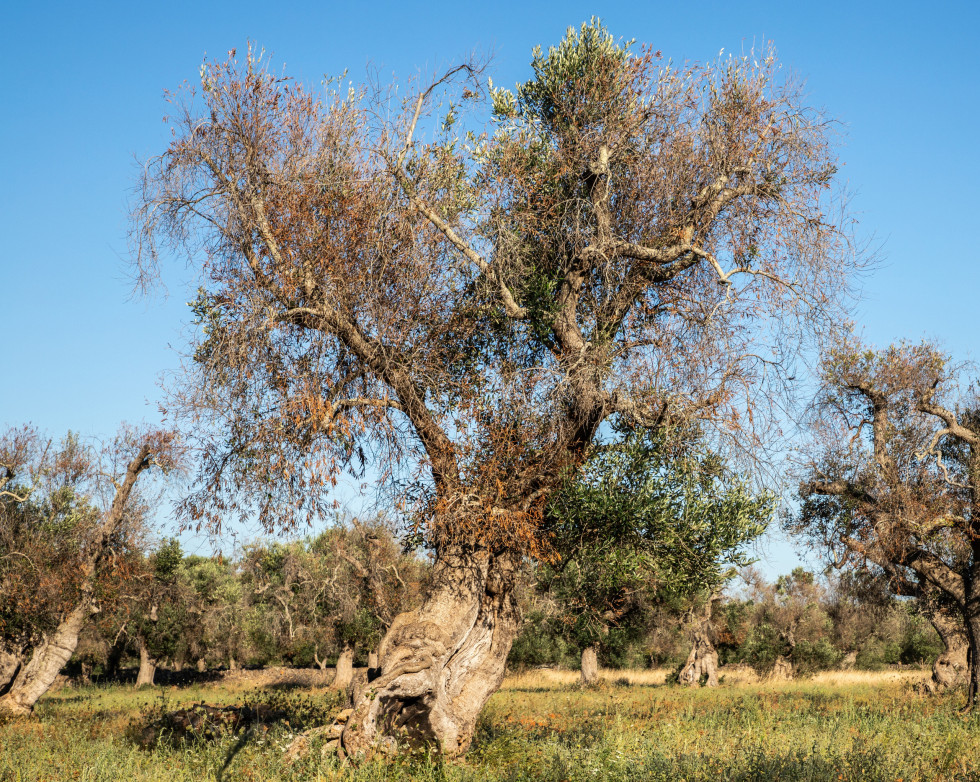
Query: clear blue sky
83	99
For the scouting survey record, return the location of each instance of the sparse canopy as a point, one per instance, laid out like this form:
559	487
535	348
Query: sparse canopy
894	480
462	307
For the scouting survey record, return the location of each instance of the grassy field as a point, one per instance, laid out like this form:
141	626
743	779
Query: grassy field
540	726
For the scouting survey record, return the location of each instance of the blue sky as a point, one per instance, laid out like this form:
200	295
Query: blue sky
83	100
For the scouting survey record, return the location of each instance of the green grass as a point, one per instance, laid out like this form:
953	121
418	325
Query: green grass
870	729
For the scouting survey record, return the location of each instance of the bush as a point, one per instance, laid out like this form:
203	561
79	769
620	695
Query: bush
539	644
761	648
808	658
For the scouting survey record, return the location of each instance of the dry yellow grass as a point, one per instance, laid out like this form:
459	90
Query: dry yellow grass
549	678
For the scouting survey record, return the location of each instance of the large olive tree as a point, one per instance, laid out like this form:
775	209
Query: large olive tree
385	282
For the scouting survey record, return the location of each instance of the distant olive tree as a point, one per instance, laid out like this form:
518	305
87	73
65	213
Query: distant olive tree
65	509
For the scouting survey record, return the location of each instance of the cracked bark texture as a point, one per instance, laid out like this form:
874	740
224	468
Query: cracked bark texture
951	669
47	659
590	666
702	660
148	667
440	663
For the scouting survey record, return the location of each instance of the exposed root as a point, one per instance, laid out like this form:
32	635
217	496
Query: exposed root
299	747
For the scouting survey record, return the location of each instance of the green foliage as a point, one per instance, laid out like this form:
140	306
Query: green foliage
540	642
809	657
646	519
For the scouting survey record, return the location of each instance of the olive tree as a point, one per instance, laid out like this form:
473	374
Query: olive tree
648	518
891	483
65	510
386	282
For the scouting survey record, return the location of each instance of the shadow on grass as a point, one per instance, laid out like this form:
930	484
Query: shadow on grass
203	722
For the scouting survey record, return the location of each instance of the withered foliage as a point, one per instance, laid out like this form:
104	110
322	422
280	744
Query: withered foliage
55	539
891	481
386	284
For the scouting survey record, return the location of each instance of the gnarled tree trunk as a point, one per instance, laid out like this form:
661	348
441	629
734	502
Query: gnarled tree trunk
55	649
702	661
782	670
590	665
951	668
10	663
440	663
148	667
202	666
345	669
47	659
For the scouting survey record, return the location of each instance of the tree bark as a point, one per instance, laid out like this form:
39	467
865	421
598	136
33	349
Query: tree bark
440	663
590	666
54	650
973	639
345	669
202	666
148	667
702	661
9	665
951	668
47	660
782	670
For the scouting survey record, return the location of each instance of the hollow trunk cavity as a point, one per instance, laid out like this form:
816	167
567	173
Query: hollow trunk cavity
951	668
438	665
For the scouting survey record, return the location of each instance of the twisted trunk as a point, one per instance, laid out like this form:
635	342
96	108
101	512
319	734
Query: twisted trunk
590	665
55	649
47	660
345	669
440	663
148	667
702	661
951	668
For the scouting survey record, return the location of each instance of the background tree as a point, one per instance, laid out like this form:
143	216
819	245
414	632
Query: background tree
465	311
648	518
160	614
76	513
791	630
895	483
